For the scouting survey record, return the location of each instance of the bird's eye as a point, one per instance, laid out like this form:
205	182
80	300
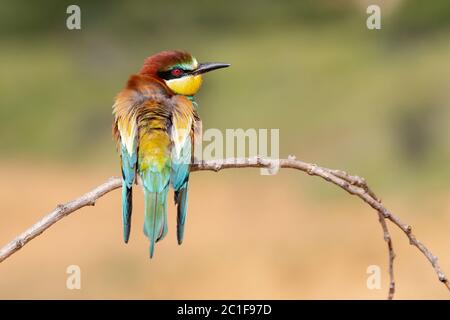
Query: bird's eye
177	72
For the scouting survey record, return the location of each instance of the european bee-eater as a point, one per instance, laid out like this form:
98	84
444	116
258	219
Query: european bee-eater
155	122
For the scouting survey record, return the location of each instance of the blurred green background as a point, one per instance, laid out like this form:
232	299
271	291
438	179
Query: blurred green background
373	102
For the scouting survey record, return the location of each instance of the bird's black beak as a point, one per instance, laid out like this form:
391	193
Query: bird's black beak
209	66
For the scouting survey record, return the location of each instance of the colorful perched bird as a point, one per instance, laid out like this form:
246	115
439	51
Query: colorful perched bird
155	121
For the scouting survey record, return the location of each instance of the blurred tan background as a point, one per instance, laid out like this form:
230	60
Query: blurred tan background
374	103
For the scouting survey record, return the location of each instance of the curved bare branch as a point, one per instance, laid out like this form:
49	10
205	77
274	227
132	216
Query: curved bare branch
352	184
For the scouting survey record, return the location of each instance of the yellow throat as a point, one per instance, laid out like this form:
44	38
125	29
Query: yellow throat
188	85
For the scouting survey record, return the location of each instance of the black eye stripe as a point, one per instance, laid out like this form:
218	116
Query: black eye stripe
167	75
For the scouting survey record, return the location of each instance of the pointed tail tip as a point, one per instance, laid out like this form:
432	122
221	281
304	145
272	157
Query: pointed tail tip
180	238
126	234
152	251
180	233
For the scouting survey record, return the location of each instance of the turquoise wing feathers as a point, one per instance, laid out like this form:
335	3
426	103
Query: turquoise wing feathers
180	179
184	121
128	176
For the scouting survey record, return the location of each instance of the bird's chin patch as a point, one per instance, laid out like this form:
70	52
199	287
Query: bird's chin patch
187	86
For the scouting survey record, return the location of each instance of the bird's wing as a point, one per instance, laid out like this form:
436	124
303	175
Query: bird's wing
125	133
183	124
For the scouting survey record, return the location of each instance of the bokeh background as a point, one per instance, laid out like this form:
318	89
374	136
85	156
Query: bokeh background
374	103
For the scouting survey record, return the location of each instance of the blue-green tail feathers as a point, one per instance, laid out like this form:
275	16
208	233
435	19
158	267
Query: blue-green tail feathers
127	207
155	221
128	176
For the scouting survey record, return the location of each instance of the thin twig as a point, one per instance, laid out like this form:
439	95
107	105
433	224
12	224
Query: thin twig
352	184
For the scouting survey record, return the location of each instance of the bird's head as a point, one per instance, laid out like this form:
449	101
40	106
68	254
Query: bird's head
179	70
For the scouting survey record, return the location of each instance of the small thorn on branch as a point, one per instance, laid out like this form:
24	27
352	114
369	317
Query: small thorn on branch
312	169
20	243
